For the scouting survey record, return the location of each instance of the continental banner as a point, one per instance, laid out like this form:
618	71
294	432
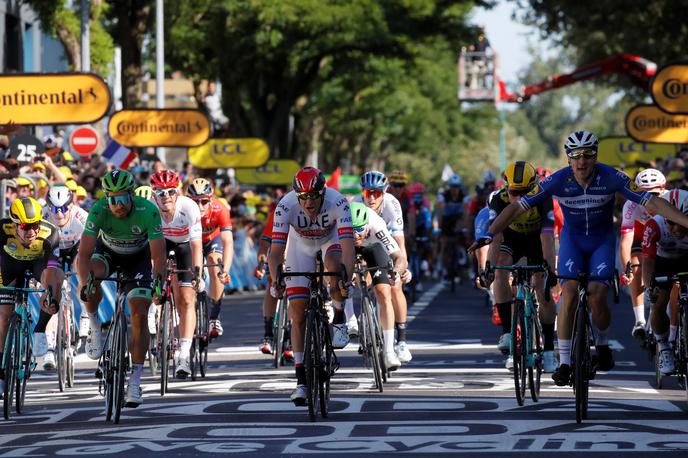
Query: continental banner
647	123
669	88
53	98
159	127
225	153
629	155
274	172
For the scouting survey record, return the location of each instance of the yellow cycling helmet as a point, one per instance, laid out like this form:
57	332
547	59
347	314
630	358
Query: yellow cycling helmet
398	176
81	191
144	191
26	210
520	175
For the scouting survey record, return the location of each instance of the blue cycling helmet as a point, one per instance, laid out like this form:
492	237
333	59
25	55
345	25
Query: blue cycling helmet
455	181
374	180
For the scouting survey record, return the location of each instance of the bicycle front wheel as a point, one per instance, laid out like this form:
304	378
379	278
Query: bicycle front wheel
519	352
10	364
326	368
165	345
121	365
582	363
535	355
372	351
279	331
61	350
25	366
312	363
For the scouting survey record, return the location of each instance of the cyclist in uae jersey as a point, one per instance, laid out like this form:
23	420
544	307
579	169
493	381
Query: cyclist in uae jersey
218	245
586	191
123	233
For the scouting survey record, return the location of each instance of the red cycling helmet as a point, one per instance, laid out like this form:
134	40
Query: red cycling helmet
308	179
417	188
165	179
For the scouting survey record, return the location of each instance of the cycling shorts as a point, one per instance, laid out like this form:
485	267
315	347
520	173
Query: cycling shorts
12	273
213	245
376	256
135	265
301	256
669	266
593	254
519	245
182	254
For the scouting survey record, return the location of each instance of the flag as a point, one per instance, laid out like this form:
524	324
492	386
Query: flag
333	182
118	155
447	172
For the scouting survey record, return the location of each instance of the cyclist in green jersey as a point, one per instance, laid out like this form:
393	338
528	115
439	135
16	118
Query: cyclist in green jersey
123	233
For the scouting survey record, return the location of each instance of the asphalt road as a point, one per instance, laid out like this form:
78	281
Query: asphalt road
454	397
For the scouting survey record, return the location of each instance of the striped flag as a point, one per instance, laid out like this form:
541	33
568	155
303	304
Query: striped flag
118	155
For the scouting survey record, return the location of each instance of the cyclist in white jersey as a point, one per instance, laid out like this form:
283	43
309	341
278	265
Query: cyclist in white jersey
314	218
181	226
665	252
634	218
376	197
70	221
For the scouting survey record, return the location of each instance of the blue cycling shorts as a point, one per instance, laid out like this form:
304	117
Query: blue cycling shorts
594	254
482	222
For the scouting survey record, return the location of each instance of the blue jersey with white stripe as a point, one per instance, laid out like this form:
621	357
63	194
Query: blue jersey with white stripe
587	211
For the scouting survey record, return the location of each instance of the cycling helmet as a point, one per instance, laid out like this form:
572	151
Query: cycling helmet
455	181
520	175
144	191
165	179
59	196
679	199
117	181
26	210
417	188
581	139
398	176
200	187
650	179
374	180
309	179
489	177
359	214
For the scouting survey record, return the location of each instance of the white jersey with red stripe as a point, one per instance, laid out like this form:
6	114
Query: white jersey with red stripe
633	213
71	232
390	211
658	240
186	223
334	218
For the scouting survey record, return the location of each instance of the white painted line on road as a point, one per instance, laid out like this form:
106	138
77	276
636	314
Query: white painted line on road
424	301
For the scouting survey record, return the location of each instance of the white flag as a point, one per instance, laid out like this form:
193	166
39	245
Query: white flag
447	172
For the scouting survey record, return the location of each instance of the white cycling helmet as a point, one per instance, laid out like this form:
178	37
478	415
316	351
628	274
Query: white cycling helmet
650	179
59	196
581	139
679	199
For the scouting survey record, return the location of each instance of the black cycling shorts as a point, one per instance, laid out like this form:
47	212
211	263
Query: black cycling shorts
376	256
182	255
135	265
520	245
12	274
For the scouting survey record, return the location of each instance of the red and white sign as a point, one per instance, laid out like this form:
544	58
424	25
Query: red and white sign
84	141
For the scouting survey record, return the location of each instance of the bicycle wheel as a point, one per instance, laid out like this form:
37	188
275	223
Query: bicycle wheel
518	348
153	355
25	366
581	362
535	355
379	341
204	336
658	374
326	368
372	351
312	363
60	350
10	364
106	372
279	331
683	335
119	369
194	356
164	347
71	345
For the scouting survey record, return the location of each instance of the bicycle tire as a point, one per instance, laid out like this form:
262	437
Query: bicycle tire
658	374
10	364
107	375
279	332
379	340
60	350
312	364
194	357
24	362
535	354
371	342
153	357
205	337
683	335
581	365
120	366
164	347
518	339
70	346
326	357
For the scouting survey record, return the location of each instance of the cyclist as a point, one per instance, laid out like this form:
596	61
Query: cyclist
420	230
123	232
398	180
375	244
630	246
529	236
585	190
181	226
665	252
374	195
70	221
451	221
218	245
29	243
316	219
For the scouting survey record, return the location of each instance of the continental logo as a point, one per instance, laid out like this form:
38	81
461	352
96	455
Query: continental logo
648	123
674	88
69	98
669	88
141	128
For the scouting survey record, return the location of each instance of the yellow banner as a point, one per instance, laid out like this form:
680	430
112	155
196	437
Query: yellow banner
630	156
55	98
669	88
647	123
224	153
275	172
160	127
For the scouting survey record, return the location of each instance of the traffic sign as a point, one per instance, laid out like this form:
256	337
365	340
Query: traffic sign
24	148
84	141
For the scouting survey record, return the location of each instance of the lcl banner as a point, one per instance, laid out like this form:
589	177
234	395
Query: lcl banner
224	153
629	155
669	88
274	172
647	123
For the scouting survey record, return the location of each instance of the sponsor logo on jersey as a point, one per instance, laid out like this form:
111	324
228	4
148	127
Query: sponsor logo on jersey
90	225
136	229
12	246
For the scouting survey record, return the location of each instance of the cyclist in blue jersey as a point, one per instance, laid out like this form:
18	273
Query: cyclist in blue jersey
586	191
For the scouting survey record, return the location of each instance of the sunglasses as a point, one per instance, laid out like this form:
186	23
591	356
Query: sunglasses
398	185
359	230
372	193
30	227
202	201
313	195
518	192
166	192
63	209
586	153
123	199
